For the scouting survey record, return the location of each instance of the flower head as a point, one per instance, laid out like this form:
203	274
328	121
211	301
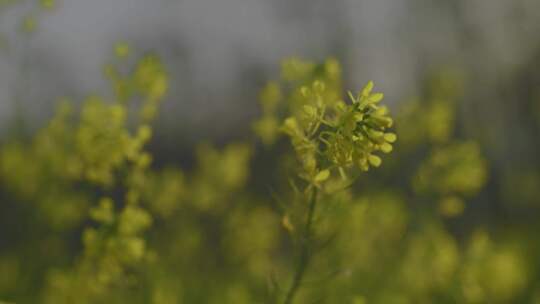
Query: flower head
338	134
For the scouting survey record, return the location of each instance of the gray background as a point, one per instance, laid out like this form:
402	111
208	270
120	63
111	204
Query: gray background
220	52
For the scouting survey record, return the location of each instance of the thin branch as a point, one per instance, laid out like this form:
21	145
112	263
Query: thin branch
305	251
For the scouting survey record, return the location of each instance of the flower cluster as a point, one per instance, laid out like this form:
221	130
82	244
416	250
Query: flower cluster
80	158
327	133
338	134
279	98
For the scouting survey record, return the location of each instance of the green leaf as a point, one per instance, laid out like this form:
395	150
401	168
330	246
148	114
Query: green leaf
322	176
351	96
367	89
376	97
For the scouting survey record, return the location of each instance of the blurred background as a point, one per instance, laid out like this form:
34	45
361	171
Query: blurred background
478	60
221	52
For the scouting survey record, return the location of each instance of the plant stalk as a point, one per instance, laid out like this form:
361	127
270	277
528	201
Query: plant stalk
305	251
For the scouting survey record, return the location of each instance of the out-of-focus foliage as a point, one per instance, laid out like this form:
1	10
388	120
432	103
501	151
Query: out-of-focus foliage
88	170
89	216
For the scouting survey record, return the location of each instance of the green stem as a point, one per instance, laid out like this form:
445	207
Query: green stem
305	251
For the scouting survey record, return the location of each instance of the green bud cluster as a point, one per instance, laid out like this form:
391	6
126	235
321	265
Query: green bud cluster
327	133
452	169
95	155
341	135
456	169
148	80
278	98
